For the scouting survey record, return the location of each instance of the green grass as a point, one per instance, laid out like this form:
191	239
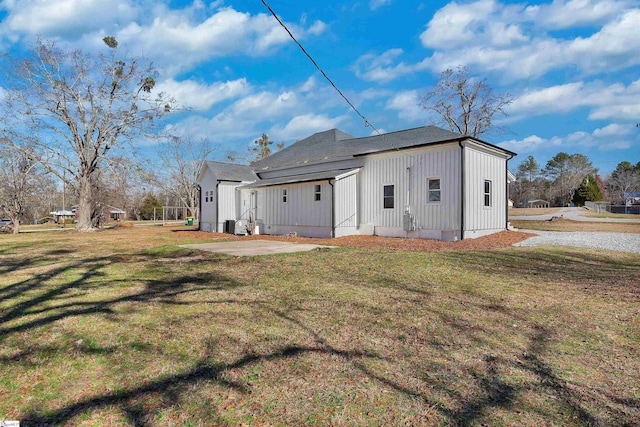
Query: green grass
123	327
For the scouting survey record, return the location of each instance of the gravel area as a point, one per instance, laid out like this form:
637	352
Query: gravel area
622	242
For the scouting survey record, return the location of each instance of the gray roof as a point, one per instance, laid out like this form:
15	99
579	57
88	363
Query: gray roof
231	172
309	177
335	144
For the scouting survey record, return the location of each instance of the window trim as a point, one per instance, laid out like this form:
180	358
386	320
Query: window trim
285	195
487	195
392	197
439	190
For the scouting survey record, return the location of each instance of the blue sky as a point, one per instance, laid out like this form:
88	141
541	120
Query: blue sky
572	65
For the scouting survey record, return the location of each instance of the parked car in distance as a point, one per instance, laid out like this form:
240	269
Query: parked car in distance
6	225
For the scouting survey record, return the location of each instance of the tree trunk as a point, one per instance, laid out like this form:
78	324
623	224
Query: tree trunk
16	224
85	205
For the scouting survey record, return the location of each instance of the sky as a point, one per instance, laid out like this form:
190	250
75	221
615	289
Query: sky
572	66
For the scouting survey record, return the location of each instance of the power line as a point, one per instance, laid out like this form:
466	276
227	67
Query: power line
366	122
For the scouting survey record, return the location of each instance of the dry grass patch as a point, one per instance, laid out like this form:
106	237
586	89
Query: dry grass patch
533	211
122	327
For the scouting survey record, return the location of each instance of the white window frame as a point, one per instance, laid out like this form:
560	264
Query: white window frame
487	196
317	192
284	195
439	190
385	197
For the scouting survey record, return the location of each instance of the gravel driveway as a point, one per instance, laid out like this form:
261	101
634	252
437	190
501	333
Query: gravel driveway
623	242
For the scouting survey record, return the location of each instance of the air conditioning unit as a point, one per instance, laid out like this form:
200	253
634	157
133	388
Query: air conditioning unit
230	226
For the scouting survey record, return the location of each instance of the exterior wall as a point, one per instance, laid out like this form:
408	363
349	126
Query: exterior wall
346	206
227	203
300	213
483	165
208	208
435	220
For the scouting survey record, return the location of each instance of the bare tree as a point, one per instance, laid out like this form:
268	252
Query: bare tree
624	180
17	182
466	104
77	107
566	173
182	160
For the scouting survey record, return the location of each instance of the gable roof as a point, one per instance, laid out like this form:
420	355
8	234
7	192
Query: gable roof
335	145
231	172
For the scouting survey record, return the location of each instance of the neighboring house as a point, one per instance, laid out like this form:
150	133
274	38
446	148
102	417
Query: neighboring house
424	183
538	203
219	200
111	213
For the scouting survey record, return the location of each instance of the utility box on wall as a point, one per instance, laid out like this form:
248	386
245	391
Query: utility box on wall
409	222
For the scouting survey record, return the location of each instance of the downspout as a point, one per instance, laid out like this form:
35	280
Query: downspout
199	207
506	191
333	207
462	190
217	207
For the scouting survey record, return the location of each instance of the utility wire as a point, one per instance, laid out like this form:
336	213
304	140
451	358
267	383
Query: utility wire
366	122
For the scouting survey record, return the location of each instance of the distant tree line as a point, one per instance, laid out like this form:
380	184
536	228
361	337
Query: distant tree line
572	178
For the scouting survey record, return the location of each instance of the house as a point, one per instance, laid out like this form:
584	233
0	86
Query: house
537	203
425	182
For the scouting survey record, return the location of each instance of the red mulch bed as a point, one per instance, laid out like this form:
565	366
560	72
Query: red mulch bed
501	240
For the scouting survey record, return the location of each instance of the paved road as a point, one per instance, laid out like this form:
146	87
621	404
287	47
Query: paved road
573	214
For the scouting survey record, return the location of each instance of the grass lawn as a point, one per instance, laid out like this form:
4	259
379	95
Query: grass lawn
592	214
122	327
533	211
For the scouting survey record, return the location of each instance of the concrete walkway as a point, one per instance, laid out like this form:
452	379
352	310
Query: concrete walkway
574	214
254	247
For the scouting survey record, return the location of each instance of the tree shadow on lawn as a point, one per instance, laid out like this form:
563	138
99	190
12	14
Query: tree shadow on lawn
35	293
493	389
601	273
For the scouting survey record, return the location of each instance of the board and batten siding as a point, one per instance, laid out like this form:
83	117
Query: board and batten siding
346	206
208	208
433	220
226	203
301	213
483	165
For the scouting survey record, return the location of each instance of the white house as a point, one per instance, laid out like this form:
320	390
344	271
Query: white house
425	182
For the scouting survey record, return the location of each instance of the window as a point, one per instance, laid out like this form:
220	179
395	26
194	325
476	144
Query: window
318	193
487	193
388	199
206	199
284	195
433	185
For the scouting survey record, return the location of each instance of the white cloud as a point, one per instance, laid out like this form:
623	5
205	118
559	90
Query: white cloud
376	4
611	102
614	129
611	137
382	68
305	125
177	39
406	103
512	40
70	18
201	96
571	13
